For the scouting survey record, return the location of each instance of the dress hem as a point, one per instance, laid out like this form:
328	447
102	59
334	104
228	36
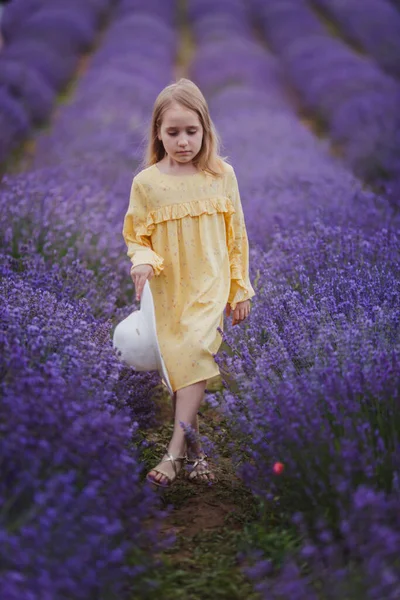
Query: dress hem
196	381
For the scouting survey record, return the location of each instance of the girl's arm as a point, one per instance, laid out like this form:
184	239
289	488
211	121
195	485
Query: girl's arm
241	288
136	234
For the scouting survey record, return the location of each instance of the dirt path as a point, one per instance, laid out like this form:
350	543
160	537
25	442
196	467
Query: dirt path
209	521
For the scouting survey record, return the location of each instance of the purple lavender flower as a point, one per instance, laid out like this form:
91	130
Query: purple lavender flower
76	519
312	378
374	26
328	76
28	87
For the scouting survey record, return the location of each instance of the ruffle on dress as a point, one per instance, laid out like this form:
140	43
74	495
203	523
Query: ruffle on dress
194	208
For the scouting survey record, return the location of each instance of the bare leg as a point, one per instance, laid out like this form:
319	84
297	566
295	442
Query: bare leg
187	404
193	448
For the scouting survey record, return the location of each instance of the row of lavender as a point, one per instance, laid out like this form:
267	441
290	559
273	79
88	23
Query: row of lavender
74	512
354	99
373	25
318	367
44	40
303	182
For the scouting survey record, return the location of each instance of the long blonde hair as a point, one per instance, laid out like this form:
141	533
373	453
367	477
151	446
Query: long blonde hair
186	93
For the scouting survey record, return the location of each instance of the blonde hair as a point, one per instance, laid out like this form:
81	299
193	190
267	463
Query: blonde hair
186	93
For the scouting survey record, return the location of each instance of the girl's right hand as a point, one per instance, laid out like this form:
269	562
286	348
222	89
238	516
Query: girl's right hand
139	275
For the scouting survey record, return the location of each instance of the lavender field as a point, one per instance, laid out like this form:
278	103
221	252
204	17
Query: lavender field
305	95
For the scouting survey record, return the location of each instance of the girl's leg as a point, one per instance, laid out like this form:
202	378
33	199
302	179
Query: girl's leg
187	403
193	448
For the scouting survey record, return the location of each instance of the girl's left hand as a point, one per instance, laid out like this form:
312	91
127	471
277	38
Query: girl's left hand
240	313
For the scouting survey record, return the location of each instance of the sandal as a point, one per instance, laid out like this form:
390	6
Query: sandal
195	473
167	457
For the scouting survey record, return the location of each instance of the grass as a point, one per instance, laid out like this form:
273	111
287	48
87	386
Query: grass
204	567
215	526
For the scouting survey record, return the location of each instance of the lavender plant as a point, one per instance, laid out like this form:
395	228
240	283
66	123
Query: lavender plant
313	375
73	508
43	43
28	88
76	519
374	26
364	565
312	381
354	100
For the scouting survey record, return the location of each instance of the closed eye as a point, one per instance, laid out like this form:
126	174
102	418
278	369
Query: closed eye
174	133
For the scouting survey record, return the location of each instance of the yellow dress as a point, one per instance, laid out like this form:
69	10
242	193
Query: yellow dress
191	229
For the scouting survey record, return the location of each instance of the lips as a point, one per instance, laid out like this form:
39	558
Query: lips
184	152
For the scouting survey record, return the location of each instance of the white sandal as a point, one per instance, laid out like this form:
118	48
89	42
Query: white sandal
166	458
195	474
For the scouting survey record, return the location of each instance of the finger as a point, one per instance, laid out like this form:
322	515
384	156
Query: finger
143	283
140	286
228	310
240	315
137	281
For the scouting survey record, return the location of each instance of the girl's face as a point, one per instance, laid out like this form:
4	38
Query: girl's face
181	133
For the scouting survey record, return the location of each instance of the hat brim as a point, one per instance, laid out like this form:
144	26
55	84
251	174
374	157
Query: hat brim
147	307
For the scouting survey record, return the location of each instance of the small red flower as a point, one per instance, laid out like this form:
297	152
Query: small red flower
278	468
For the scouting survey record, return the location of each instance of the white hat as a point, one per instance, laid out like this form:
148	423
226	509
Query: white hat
136	338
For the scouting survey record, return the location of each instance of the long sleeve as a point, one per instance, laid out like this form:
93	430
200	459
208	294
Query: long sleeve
241	288
136	232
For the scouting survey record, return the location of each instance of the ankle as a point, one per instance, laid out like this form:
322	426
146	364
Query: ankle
177	449
194	450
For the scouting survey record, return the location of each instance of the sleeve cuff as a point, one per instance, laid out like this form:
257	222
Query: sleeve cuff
148	257
239	292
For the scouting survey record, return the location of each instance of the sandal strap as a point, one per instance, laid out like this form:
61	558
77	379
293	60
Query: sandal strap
173	460
197	460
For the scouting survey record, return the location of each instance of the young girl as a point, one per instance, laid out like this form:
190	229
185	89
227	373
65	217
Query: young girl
186	234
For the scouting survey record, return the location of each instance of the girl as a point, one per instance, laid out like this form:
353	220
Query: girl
186	234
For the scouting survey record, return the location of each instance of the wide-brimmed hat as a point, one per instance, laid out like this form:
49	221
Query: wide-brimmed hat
136	338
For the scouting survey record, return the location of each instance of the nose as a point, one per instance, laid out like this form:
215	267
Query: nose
183	142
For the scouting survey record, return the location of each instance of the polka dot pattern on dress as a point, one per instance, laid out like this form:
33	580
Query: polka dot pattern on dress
191	229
